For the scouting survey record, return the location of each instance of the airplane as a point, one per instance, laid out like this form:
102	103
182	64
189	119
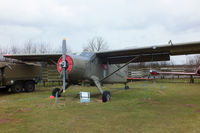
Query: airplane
138	79
103	67
196	73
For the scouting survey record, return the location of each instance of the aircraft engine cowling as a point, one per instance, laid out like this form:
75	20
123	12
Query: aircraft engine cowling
69	64
198	72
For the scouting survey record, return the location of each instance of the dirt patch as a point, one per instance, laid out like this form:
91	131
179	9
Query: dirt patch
190	105
23	110
41	105
198	111
151	101
7	120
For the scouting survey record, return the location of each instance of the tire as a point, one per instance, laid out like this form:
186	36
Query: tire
55	91
4	90
106	96
29	86
126	87
17	87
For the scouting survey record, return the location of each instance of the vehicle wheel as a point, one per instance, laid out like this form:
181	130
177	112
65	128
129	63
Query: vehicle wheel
4	89
126	87
55	91
17	87
29	86
106	96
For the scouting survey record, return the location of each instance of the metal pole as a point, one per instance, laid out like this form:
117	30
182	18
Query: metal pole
56	98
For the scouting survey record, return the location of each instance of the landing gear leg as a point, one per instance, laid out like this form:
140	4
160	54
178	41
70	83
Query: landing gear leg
105	94
59	91
191	79
126	87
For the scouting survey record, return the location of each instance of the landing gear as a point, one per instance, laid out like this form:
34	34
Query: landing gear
106	96
56	90
191	79
126	87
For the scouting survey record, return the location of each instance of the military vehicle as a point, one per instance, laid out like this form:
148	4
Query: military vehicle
18	77
102	67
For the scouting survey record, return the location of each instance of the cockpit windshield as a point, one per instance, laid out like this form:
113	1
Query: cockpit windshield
87	54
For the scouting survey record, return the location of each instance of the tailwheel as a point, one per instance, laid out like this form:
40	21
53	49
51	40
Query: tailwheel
106	96
56	90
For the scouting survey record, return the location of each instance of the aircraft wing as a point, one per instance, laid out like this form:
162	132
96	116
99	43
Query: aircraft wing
154	53
51	58
173	73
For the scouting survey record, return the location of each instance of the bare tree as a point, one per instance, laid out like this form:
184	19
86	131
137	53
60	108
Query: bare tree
43	48
96	44
30	47
14	49
195	60
1	54
59	49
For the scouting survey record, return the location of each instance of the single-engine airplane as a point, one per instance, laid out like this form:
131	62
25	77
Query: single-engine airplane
101	67
196	73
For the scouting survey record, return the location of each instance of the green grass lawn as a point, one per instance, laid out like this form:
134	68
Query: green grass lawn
148	107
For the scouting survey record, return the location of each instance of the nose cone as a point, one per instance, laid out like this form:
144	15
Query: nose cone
69	64
198	72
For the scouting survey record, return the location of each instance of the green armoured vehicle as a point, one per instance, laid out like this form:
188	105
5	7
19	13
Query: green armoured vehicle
18	77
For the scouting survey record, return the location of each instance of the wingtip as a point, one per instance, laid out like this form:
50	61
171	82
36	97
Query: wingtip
6	54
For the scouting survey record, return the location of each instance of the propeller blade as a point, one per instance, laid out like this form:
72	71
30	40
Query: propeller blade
64	63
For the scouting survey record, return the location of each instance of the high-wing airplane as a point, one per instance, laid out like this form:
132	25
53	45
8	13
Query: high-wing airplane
196	73
101	67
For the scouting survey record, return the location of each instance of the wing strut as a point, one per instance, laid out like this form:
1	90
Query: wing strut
120	67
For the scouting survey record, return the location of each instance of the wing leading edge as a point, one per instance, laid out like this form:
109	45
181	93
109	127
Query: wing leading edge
154	53
35	57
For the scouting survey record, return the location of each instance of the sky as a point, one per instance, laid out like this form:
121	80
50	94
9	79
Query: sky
122	23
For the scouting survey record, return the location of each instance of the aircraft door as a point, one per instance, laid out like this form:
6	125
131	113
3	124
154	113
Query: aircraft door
105	70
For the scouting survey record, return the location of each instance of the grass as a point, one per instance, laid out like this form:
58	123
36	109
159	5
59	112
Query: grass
170	108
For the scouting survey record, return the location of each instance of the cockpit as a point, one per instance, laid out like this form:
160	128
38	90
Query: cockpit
87	54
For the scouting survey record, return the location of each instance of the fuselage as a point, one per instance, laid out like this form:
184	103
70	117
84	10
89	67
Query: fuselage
87	65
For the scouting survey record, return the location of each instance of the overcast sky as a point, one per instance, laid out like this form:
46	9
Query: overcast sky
122	23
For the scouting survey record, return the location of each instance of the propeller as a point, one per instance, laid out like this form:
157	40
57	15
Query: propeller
64	63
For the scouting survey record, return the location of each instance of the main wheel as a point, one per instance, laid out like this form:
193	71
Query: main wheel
56	90
17	87
29	86
106	96
126	87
